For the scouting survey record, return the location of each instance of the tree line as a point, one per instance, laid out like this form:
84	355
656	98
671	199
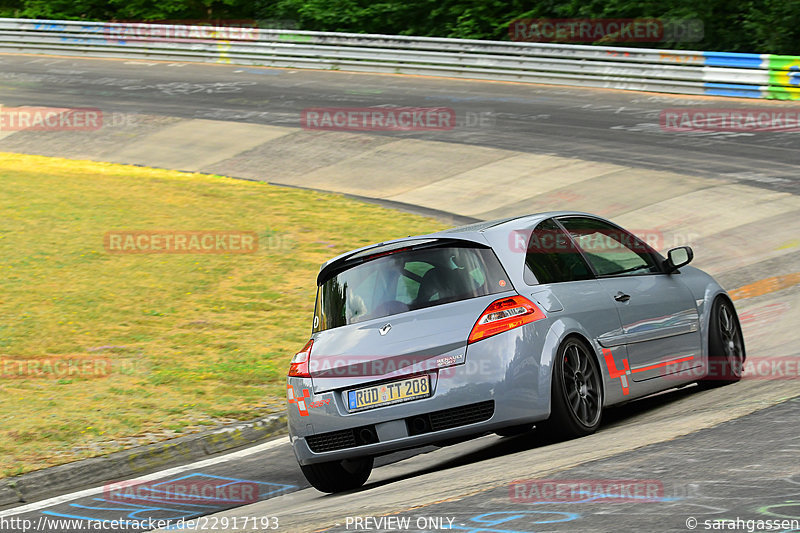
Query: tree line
760	26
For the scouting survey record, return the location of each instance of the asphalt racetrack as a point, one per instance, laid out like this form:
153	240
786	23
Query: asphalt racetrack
726	453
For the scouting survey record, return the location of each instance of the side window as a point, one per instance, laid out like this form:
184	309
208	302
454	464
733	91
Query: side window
610	250
551	256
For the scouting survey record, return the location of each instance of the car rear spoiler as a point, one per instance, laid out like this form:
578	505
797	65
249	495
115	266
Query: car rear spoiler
363	255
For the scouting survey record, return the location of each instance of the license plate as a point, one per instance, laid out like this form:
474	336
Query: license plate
389	393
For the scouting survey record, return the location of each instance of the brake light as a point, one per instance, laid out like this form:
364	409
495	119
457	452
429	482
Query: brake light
298	367
503	315
390	252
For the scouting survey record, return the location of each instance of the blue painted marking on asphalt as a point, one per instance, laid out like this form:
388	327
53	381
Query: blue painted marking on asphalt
280	487
130	507
118	519
88	519
164	509
511	516
156	500
594	496
516	515
483	529
134	509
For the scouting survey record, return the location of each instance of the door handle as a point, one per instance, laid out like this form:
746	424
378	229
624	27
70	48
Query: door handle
622	297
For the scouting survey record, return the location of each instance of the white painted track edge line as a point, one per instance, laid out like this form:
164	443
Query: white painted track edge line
35	506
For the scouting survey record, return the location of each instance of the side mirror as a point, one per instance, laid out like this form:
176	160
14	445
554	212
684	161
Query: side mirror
678	257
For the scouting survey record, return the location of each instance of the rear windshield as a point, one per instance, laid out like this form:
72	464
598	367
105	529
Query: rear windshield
405	281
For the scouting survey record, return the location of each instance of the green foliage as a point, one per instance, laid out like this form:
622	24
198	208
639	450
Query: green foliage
764	26
126	9
775	26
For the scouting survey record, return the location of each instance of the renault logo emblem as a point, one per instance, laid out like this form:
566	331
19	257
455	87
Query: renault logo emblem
385	329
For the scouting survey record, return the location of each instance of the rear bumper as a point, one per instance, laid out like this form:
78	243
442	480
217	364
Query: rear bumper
501	384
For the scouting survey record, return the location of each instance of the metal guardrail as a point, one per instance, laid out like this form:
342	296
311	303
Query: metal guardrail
671	71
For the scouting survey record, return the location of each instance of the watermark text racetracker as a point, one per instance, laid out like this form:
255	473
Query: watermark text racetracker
766	368
180	242
548	241
55	367
379	118
38	118
183	491
193	30
50	119
578	490
445	366
393	118
732	120
593	30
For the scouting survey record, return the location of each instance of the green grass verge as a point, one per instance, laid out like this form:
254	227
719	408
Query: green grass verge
192	340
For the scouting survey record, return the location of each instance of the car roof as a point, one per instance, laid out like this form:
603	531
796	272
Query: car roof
470	232
510	221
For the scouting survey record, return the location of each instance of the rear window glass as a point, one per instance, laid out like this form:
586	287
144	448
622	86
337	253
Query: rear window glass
406	281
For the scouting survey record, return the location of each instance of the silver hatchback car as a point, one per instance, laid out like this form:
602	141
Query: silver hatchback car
542	320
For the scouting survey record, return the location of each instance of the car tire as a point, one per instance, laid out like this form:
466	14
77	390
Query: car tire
726	353
338	476
576	396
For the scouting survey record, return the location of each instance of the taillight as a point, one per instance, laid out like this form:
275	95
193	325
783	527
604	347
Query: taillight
298	367
503	315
